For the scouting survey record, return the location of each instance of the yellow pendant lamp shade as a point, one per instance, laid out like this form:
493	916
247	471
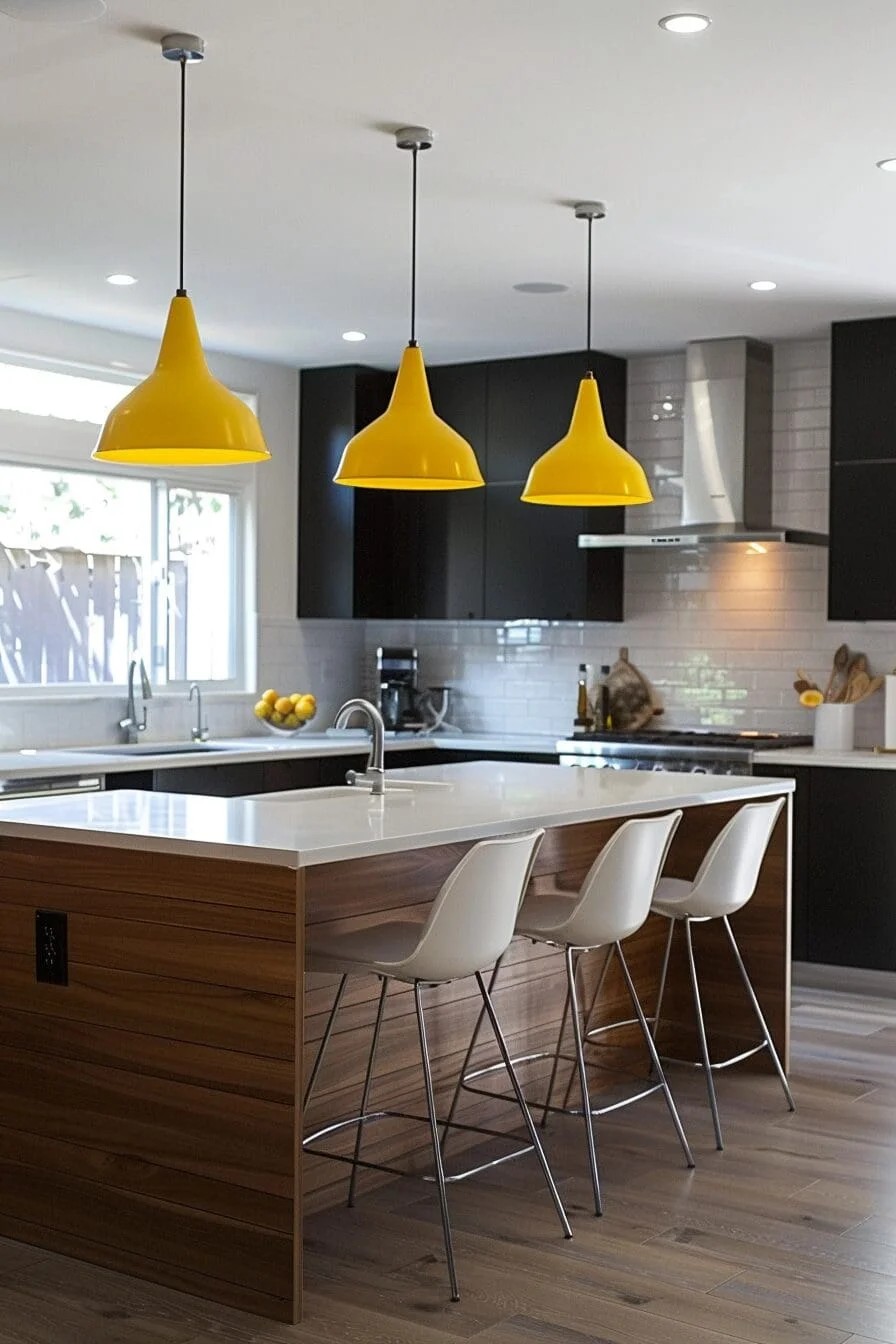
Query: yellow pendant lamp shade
408	447
181	415
587	468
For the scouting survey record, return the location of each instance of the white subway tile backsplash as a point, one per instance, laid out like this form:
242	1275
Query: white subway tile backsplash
720	632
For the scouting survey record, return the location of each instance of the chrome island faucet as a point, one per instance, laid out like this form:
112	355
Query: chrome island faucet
199	731
129	725
374	777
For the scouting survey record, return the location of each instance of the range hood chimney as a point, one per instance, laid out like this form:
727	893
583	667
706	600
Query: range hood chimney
726	481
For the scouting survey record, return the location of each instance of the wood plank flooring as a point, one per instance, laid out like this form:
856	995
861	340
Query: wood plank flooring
788	1237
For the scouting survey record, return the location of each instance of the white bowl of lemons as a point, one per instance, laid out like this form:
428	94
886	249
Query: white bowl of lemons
285	715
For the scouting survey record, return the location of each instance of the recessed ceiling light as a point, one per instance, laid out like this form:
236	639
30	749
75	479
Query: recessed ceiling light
888	165
354	336
119	278
540	287
685	23
54	11
763	285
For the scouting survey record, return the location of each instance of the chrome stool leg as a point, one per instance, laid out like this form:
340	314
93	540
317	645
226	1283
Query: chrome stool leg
325	1041
601	980
474	1039
583	1081
655	1059
436	1146
553	1078
521	1102
365	1095
663	974
779	1069
701	1032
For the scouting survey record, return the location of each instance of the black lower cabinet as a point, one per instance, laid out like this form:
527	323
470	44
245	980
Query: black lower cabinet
844	866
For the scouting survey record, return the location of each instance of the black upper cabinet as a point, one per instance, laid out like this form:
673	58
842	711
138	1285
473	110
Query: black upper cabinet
863	360
861	575
459	554
334	404
861	572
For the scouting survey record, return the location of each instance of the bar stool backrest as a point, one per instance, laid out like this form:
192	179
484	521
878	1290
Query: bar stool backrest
727	877
472	918
614	900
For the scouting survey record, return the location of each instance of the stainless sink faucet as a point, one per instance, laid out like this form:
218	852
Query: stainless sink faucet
199	731
374	777
129	725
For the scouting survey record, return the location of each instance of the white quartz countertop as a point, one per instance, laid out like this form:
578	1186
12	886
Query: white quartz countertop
849	760
48	764
304	827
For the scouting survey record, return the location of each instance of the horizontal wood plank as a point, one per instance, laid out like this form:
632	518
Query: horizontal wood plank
204	956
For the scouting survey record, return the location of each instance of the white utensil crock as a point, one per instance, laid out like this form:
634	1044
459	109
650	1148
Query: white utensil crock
835	727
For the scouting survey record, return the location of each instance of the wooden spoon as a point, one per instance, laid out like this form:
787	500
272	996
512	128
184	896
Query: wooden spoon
803	675
838	674
801	685
875	684
857	687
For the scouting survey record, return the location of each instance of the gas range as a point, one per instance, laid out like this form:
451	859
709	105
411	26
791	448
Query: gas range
694	751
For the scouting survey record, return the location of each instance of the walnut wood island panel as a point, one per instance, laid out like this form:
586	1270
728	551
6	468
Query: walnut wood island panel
150	1105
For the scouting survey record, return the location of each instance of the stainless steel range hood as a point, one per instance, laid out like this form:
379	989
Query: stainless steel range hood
726	479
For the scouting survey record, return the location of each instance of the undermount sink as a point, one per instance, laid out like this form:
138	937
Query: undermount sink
149	749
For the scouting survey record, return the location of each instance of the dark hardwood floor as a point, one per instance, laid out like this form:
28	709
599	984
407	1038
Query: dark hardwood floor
788	1237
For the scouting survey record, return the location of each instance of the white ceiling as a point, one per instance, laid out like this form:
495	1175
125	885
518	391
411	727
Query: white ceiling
745	153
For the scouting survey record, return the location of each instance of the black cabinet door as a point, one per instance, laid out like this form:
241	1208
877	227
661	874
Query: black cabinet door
851	907
533	567
861	568
800	852
212	781
863	357
419	554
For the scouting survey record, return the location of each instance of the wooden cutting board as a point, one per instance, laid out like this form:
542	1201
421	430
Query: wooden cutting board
631	696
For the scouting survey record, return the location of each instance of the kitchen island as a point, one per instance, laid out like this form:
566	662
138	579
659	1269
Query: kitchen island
151	1032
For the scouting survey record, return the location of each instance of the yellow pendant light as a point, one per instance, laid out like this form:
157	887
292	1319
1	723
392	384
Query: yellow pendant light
181	415
408	447
587	468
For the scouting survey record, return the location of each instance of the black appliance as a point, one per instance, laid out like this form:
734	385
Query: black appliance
399	697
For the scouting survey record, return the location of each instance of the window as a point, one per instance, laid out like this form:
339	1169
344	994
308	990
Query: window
95	567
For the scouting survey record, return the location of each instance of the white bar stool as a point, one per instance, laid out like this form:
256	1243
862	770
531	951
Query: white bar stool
725	881
612	903
469	927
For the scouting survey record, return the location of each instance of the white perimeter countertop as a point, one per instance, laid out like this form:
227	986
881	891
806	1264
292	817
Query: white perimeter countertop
311	826
51	763
850	760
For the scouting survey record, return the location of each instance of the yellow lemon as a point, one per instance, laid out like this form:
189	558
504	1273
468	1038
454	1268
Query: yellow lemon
296	697
306	707
283	705
271	697
291	721
277	719
811	698
263	710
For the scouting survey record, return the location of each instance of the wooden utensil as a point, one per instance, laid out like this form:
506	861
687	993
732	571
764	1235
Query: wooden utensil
803	675
837	679
857	687
630	694
801	685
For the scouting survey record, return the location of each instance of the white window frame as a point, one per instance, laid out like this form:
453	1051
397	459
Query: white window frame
73	443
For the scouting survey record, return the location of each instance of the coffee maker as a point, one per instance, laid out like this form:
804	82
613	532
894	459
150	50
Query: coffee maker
399	697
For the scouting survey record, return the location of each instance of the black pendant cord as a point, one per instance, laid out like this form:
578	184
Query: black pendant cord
413	340
183	143
588	315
